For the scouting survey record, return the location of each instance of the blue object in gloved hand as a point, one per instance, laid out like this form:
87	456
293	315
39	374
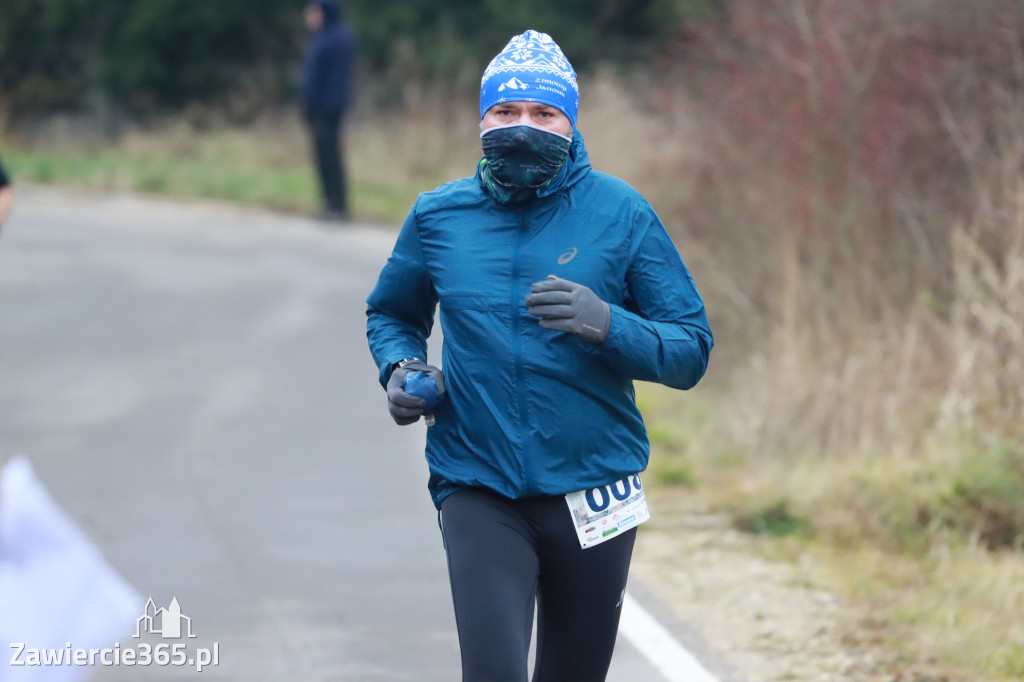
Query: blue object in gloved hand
414	388
422	384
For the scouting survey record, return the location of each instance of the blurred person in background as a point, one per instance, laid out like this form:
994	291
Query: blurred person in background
6	196
326	93
558	287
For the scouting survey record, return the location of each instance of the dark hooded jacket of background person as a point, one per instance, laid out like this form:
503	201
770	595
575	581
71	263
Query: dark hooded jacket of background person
327	72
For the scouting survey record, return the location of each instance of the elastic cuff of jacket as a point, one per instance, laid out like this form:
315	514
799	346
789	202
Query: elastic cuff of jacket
615	327
387	367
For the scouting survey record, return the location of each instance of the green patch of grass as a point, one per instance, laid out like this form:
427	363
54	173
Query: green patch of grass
986	496
672	472
267	165
119	168
661	434
1009	662
774	520
676	436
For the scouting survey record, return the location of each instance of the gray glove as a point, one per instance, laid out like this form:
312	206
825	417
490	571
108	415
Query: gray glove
406	408
570	307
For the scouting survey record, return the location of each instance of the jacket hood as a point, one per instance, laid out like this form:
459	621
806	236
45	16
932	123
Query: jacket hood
576	167
331	9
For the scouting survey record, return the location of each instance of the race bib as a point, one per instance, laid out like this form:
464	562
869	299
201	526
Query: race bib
604	512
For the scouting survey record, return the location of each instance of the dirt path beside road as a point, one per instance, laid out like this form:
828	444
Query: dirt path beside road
765	618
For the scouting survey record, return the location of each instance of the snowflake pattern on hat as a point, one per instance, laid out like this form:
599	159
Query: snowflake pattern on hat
531	68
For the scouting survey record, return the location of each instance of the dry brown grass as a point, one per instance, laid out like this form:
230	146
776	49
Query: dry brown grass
867	386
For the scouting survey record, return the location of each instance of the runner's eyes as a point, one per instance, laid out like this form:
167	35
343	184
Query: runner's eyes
543	113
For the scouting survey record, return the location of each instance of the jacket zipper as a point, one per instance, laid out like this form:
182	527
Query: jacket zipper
517	355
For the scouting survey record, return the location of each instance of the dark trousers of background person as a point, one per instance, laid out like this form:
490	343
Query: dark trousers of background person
327	152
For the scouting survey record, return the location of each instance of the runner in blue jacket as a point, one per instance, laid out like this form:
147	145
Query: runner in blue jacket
558	287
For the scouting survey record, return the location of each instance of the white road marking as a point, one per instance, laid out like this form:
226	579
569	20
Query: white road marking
659	647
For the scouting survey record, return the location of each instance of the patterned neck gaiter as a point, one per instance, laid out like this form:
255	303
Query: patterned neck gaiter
520	159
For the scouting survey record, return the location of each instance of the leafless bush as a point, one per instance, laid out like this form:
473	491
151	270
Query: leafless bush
860	177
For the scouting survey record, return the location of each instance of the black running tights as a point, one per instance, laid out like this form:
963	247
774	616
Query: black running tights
503	556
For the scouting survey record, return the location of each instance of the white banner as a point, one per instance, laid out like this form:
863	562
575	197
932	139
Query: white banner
55	587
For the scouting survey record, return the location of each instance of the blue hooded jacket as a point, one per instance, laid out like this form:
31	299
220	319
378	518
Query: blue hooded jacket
327	71
532	411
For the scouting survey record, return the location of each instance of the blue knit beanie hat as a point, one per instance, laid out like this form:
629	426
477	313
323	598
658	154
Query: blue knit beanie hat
531	68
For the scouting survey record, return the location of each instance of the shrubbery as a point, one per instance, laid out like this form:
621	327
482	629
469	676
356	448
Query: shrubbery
144	57
858	183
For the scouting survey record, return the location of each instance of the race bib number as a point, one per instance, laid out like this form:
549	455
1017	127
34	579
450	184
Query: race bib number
607	511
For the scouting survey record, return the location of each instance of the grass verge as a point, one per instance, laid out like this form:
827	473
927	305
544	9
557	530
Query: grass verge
267	165
927	543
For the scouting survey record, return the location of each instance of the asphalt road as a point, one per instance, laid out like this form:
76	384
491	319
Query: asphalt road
192	384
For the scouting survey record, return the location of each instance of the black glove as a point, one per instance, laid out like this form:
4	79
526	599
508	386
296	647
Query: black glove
404	407
570	307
